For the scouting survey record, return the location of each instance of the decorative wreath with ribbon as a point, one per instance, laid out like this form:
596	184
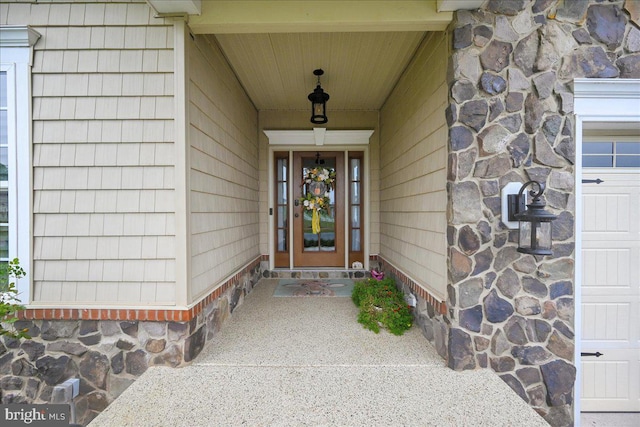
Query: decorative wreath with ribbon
319	182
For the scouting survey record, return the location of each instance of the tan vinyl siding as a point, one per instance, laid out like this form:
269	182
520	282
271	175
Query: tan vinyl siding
103	152
224	173
413	159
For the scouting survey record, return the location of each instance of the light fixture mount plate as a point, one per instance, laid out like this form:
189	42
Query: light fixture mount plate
516	204
511	189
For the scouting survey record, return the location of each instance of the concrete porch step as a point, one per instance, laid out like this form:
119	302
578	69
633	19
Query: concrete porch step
286	361
210	395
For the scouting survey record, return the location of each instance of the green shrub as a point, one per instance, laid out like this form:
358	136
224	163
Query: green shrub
381	304
9	302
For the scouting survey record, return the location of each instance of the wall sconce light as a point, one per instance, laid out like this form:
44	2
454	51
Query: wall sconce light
318	100
534	222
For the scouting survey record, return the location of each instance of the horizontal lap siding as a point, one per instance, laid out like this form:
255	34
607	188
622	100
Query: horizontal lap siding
413	163
103	153
224	169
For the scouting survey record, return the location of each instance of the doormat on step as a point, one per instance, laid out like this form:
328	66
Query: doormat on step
314	288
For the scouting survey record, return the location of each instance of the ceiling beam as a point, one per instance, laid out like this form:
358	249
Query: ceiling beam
305	16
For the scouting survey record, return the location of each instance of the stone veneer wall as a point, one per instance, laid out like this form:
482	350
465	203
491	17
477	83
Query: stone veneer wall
510	119
108	355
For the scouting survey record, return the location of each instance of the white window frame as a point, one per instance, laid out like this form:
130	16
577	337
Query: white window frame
16	59
600	101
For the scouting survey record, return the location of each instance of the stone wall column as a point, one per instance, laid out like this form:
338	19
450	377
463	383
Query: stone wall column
510	120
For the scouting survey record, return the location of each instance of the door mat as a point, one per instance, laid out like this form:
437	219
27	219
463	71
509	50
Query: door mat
314	288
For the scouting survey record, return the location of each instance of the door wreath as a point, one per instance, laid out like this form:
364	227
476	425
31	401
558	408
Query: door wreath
319	182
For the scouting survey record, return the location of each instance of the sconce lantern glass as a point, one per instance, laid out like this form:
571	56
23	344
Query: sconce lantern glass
318	100
534	222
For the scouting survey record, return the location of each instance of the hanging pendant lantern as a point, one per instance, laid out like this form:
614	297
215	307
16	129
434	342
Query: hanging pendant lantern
318	100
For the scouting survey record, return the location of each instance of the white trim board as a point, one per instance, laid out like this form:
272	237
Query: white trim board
616	99
319	137
16	55
18	36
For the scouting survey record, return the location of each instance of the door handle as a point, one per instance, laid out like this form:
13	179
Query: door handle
596	354
296	202
296	215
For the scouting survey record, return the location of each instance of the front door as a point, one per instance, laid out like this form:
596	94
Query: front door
318	212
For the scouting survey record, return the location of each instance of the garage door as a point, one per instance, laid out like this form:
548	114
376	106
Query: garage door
611	277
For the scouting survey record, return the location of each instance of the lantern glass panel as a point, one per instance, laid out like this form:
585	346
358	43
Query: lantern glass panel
544	235
524	235
541	236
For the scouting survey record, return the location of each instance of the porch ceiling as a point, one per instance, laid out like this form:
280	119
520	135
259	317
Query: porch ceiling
361	69
273	46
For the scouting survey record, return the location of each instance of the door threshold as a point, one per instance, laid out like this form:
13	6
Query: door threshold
316	273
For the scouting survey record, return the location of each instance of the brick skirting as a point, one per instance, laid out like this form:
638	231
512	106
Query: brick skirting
439	306
158	315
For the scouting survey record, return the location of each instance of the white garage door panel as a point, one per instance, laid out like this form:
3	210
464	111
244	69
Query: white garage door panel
606	212
611	292
606	268
610	383
607	323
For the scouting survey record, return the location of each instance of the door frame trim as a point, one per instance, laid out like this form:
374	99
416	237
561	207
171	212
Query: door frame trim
311	140
621	97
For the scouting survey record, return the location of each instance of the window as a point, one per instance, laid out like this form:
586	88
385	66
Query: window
356	208
611	154
16	45
282	209
4	169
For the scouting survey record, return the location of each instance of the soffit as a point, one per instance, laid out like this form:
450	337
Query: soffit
273	46
361	69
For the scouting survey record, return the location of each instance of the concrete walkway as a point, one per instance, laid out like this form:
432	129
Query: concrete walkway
307	362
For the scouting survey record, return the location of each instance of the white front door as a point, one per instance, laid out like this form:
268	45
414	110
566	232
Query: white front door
611	277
